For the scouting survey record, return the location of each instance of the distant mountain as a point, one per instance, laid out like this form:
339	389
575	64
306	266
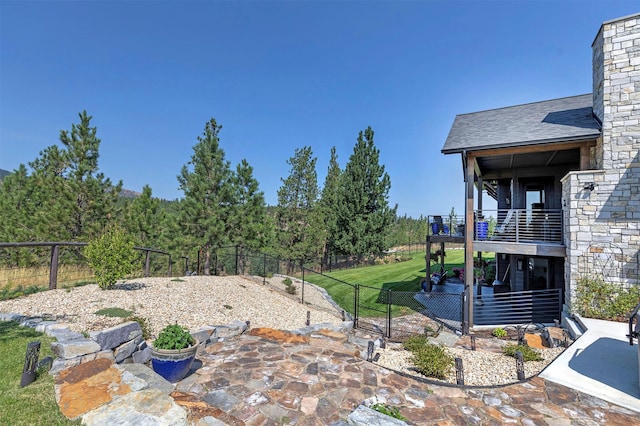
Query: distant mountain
3	173
127	193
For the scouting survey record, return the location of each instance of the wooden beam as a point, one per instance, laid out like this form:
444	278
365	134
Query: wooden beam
468	245
526	149
585	157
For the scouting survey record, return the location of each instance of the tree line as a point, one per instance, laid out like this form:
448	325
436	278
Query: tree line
62	196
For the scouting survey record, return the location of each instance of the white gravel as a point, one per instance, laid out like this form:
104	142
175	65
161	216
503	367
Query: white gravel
190	301
481	368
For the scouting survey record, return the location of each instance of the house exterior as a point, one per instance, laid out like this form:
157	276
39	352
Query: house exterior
565	175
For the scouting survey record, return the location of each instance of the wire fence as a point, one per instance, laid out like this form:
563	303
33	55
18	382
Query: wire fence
34	266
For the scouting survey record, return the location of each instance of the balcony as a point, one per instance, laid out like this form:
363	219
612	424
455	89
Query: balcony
532	232
516	231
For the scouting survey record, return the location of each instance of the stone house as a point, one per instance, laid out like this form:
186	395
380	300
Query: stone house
565	175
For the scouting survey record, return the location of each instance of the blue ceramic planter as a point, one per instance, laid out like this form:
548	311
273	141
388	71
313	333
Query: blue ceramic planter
173	365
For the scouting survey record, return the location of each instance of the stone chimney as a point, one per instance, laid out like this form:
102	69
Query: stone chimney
616	91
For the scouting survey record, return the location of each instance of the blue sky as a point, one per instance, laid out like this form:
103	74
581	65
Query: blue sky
282	75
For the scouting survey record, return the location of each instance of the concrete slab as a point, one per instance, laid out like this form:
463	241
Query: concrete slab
600	363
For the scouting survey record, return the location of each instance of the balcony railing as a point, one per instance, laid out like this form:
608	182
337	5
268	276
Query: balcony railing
520	226
447	225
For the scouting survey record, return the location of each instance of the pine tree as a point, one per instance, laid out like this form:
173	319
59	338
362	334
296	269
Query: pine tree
64	198
299	222
248	225
327	202
17	207
88	195
364	217
208	195
142	218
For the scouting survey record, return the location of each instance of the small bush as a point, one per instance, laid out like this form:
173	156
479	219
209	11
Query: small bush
598	299
290	287
111	257
429	359
389	411
528	353
415	343
499	333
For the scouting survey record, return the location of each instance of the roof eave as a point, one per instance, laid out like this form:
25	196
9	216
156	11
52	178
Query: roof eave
523	144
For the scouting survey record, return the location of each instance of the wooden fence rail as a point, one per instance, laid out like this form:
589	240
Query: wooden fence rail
55	249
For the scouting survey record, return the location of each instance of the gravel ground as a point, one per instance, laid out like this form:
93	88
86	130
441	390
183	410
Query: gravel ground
481	368
190	301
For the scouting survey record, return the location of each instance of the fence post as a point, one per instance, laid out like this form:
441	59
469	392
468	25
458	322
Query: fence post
356	295
302	269
236	260
170	265
465	324
53	267
146	263
264	268
388	314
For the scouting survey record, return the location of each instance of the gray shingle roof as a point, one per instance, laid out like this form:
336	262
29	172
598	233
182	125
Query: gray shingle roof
555	120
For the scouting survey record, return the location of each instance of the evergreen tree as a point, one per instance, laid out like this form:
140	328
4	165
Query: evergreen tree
64	198
89	197
364	217
208	195
248	225
299	221
17	207
328	201
142	218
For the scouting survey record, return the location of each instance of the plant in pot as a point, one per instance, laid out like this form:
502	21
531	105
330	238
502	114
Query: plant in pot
173	352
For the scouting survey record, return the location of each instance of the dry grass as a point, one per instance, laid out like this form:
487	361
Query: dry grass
38	276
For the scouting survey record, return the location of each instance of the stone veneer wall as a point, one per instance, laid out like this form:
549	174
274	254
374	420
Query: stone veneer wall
602	226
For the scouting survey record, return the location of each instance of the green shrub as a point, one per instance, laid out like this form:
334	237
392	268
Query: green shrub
174	336
389	411
528	353
429	359
609	301
111	257
499	333
290	288
414	343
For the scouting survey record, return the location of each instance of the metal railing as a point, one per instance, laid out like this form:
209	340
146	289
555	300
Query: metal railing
539	306
448	225
520	226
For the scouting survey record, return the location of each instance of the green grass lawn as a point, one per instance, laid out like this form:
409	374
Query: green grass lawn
398	276
34	404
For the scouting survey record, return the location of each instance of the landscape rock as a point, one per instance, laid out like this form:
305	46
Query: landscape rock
147	407
205	335
12	317
74	348
126	349
64	334
117	335
142	356
235	328
153	379
365	416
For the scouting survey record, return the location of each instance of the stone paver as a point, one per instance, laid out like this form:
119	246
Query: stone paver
269	377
